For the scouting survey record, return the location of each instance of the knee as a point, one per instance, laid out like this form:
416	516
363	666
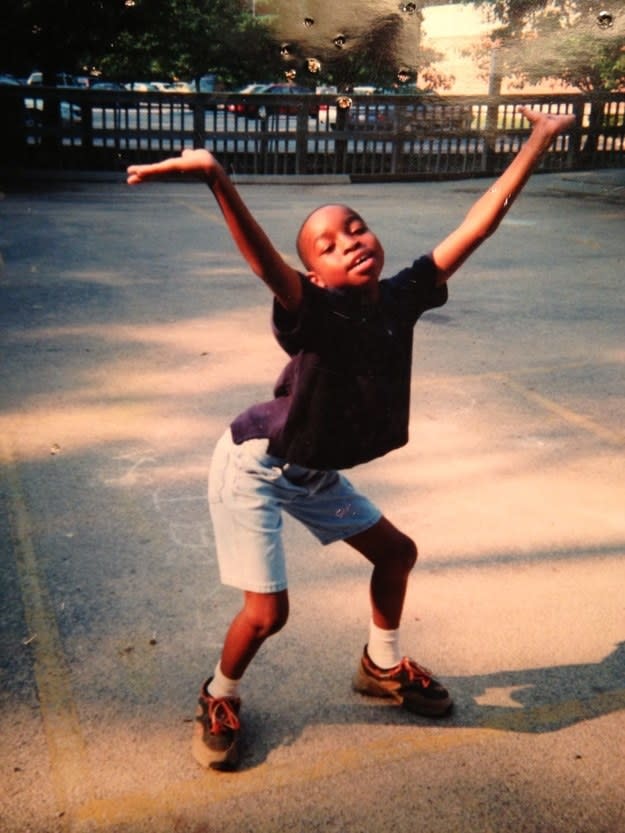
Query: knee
405	552
267	616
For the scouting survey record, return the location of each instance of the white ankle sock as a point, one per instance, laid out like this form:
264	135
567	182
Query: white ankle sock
222	686
383	646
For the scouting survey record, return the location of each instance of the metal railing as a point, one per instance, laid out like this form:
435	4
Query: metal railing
364	137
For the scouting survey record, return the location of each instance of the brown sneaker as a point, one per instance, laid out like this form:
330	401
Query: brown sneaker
407	683
216	731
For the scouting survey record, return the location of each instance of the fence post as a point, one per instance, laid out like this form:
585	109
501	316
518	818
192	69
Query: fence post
13	134
340	145
596	139
199	129
301	138
575	148
490	135
86	125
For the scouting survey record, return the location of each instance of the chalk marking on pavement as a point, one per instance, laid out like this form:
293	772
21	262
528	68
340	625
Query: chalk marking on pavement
566	414
66	748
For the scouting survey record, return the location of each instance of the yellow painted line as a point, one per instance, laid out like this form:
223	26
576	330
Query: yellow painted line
214	788
497	375
69	768
579	421
70	772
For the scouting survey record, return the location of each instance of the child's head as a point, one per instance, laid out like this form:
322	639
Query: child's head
339	250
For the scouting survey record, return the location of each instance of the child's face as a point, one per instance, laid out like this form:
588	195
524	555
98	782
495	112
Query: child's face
340	251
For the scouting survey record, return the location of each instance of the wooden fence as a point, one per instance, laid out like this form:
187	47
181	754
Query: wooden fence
364	137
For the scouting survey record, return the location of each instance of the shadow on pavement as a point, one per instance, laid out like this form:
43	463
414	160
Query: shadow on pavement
534	701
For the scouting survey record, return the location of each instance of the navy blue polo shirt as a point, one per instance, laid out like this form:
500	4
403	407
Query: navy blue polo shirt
344	396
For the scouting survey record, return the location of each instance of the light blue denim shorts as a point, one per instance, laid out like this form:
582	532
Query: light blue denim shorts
248	490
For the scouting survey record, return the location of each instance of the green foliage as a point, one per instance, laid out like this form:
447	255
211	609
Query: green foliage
373	53
575	41
138	39
367	57
56	34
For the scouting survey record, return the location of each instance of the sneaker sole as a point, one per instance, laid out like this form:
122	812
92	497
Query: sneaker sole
222	760
363	684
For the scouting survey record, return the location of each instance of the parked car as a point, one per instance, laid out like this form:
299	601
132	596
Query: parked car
205	84
247	108
180	87
253	88
253	109
85	81
370	115
160	86
62	79
98	86
290	89
428	112
138	86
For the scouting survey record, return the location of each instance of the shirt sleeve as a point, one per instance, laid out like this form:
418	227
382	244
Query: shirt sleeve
293	330
416	290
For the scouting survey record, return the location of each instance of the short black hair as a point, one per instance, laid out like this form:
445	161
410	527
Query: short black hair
298	240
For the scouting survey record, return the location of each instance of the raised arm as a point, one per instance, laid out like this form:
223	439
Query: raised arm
257	249
486	214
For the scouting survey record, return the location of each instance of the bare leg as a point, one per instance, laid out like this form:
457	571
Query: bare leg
262	615
393	556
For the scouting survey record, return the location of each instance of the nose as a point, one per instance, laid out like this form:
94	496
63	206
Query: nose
349	242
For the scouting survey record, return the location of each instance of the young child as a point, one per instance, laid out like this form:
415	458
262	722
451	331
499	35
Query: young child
342	399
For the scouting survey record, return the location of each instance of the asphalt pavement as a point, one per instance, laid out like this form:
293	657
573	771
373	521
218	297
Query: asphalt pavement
131	333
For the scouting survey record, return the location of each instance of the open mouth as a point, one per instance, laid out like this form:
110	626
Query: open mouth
360	260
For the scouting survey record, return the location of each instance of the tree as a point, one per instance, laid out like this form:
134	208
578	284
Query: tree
131	39
54	35
573	41
368	56
381	45
188	38
578	45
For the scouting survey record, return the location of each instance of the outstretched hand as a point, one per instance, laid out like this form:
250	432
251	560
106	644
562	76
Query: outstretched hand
198	161
484	216
551	123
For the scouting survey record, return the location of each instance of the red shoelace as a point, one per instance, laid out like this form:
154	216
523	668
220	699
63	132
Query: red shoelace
222	715
414	671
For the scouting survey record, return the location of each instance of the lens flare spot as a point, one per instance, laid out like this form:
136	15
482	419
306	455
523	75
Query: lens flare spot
605	20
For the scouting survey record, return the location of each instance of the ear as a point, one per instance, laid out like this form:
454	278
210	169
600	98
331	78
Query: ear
313	277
